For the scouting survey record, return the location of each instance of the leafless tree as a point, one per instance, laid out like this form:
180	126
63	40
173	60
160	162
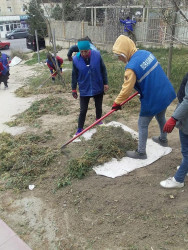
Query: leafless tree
45	14
169	14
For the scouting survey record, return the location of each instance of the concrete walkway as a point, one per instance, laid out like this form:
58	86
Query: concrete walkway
10	106
9	239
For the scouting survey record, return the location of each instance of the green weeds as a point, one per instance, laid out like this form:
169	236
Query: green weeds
24	157
115	71
48	105
42	84
34	58
19	54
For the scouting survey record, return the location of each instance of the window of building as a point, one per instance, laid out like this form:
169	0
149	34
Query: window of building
1	27
9	9
23	8
7	27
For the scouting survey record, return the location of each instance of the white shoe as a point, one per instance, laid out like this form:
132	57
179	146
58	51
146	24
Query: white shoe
179	167
171	183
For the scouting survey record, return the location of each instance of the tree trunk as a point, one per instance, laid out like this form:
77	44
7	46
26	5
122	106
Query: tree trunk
171	45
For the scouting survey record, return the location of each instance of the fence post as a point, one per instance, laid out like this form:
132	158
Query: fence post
64	30
95	16
171	45
92	21
36	37
105	25
82	28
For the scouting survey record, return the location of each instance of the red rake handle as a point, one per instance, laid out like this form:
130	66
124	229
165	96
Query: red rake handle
92	125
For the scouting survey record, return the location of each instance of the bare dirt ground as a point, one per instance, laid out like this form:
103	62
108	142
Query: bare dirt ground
126	213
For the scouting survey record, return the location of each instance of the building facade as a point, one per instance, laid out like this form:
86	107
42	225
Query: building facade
12	15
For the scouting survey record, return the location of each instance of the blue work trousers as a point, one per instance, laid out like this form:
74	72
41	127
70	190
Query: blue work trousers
183	169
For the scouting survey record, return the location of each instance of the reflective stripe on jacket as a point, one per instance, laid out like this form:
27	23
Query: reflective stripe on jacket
156	91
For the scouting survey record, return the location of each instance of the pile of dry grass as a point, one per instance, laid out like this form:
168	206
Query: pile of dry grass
109	142
23	158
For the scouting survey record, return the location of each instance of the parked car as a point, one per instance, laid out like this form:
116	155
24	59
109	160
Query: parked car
32	44
17	33
4	45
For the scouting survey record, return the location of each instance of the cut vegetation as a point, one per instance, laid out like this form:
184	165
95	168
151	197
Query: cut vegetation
71	207
109	142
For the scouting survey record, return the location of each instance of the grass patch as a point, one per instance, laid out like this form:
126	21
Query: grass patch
50	49
19	54
42	84
24	158
179	66
47	88
34	58
42	55
115	71
128	109
48	105
107	143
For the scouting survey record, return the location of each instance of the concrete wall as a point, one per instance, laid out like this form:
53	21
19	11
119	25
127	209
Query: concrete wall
148	33
67	34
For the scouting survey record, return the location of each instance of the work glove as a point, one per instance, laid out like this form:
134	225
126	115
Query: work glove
106	88
116	106
169	125
70	58
54	73
61	66
74	93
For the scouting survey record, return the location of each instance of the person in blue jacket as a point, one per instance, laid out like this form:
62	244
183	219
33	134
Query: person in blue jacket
75	49
144	73
4	58
89	72
128	27
179	119
3	75
72	49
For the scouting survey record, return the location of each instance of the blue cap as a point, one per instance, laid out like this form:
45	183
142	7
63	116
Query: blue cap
83	45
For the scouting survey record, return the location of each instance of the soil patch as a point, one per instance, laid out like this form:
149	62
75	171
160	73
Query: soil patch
95	212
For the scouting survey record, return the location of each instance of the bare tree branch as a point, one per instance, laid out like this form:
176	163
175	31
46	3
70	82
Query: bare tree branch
175	3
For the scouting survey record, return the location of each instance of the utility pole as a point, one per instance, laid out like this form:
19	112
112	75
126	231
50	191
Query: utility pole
37	43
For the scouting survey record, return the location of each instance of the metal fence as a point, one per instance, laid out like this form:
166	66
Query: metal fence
153	31
156	31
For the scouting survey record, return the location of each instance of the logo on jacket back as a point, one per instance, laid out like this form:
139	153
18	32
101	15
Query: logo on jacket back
147	62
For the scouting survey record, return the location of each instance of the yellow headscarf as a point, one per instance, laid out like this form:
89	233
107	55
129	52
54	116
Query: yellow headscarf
124	45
